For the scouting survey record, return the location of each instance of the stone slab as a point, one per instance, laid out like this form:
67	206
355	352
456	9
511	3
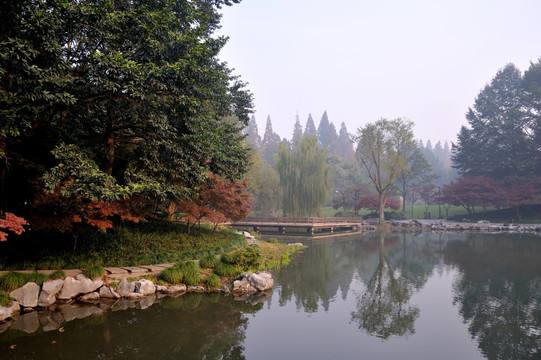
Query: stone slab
135	270
116	270
154	268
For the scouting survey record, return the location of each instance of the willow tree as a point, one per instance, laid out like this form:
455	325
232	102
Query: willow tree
304	178
381	151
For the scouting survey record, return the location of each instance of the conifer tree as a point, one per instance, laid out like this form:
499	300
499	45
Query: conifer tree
345	144
270	143
323	131
333	140
297	133
252	135
310	128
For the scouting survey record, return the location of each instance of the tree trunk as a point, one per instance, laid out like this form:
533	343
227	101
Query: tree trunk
3	174
109	145
171	210
381	208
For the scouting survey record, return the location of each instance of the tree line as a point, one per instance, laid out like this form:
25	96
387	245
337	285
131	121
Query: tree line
284	171
116	109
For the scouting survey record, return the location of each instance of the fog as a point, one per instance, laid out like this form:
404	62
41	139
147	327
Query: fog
364	60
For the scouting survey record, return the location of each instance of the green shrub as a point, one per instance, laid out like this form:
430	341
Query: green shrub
12	280
250	258
272	240
227	270
212	282
172	275
230	258
209	261
5	300
189	267
94	271
36	277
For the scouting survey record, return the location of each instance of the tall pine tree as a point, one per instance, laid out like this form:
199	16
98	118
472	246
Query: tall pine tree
310	128
297	133
270	143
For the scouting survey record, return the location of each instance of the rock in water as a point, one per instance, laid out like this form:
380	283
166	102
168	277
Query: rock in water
27	296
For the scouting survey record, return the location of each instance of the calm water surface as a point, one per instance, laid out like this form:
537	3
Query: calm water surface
362	296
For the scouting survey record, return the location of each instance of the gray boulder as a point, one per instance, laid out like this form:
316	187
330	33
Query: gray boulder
253	282
125	288
49	289
9	311
145	287
90	297
79	285
107	292
175	289
26	296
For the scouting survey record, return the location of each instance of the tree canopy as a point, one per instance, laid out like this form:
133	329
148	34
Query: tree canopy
133	89
503	127
381	150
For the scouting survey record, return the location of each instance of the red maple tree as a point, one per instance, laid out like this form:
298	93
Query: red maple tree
371	202
218	201
13	223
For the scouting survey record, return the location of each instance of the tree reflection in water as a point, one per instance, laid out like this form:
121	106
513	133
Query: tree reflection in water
383	310
499	293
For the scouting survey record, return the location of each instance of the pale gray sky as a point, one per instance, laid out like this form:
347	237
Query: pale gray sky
360	60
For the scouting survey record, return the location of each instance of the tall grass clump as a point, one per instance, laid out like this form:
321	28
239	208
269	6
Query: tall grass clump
94	271
58	274
227	270
172	275
209	261
192	272
12	280
212	282
5	300
36	277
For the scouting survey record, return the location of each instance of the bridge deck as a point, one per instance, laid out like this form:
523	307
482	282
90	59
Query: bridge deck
311	225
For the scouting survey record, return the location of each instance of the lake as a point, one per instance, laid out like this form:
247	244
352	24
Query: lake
356	296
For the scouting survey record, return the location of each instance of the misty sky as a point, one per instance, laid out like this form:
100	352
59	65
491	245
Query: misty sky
360	60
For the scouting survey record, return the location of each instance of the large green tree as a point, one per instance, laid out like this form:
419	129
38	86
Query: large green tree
498	139
382	152
135	86
304	178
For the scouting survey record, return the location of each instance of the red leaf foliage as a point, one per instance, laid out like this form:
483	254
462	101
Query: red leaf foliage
54	211
218	201
469	192
13	223
372	203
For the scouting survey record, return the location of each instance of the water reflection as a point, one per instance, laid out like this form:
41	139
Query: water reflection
192	326
404	295
383	309
499	293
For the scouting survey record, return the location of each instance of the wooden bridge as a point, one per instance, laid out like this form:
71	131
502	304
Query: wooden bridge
309	225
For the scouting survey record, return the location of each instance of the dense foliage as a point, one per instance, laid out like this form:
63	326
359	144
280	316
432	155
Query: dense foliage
503	132
304	178
104	102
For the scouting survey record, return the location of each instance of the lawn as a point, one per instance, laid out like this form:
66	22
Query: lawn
153	242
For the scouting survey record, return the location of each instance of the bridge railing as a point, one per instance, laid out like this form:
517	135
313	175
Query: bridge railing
300	220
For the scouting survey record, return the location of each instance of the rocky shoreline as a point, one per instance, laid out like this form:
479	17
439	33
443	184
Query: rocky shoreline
443	226
58	300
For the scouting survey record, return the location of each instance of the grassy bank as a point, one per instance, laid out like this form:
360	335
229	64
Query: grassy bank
127	245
